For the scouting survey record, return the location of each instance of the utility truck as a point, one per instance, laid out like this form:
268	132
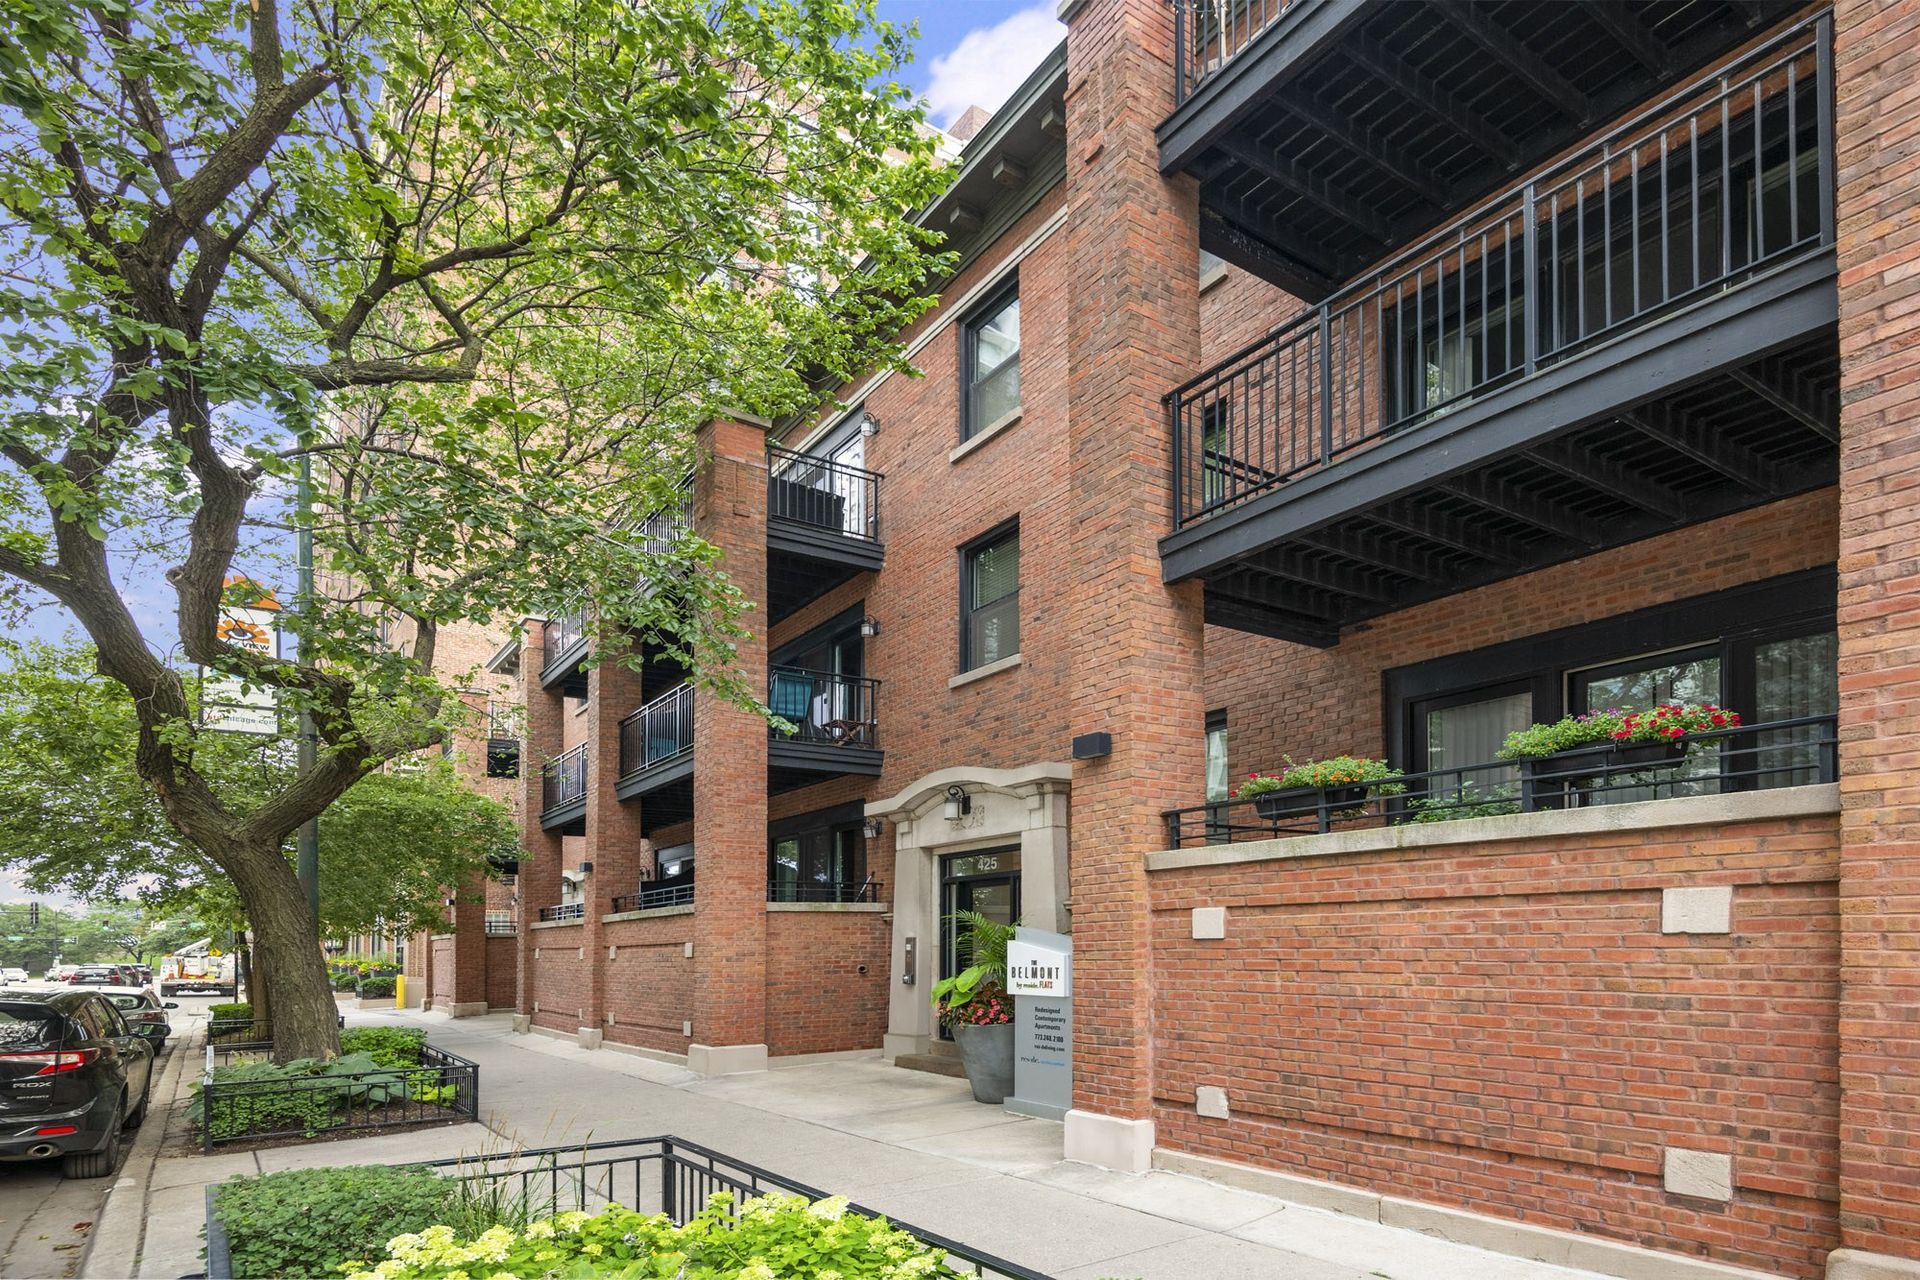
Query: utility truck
198	966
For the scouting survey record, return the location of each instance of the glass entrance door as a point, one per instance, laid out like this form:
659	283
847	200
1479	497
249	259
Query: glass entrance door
988	883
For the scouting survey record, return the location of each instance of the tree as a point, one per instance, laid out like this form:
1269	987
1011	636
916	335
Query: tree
485	267
76	818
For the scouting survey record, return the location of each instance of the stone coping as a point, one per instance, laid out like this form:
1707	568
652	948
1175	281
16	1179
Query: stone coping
843	908
555	924
650	913
1642	815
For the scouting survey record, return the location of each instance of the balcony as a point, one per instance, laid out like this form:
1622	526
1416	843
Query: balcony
656	757
1762	757
823	527
1640	339
563	912
566	651
1325	134
563	792
674	892
836	727
825	892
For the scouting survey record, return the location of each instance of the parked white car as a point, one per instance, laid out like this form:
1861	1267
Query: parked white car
11	976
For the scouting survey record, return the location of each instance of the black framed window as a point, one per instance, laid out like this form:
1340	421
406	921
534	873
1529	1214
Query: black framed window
990	598
817	857
1219	779
990	363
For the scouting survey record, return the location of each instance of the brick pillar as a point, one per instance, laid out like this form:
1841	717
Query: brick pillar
1136	666
468	919
730	774
1877	127
613	827
539	879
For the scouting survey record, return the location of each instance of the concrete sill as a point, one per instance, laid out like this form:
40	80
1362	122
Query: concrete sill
1214	276
556	924
985	434
1644	815
1007	663
844	908
650	913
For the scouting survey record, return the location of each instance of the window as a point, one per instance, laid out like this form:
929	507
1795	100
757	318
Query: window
818	857
990	382
990	599
1217	775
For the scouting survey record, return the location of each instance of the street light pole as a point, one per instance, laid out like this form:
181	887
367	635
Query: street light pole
307	842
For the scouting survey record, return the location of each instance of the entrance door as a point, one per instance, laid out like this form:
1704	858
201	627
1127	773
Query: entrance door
985	882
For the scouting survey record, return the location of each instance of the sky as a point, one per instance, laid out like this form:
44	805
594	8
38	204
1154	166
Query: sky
974	51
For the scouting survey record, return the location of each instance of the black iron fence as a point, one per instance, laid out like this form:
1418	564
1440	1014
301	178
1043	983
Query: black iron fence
867	890
675	893
1781	753
1728	177
1207	34
825	707
659	731
443	1088
561	636
652	1175
564	778
835	496
563	911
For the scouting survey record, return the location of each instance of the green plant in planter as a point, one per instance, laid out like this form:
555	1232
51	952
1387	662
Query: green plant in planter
1335	773
1594	729
980	989
1470	801
306	1222
374	988
1672	720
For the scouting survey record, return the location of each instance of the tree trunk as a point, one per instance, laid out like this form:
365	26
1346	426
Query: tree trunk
290	968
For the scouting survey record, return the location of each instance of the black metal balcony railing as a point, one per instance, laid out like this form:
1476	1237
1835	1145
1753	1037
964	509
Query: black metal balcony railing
561	635
564	778
1207	34
834	496
1761	757
658	731
563	911
1727	177
825	707
501	925
678	893
867	890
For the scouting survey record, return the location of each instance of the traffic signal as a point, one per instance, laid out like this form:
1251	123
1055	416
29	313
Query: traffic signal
33	915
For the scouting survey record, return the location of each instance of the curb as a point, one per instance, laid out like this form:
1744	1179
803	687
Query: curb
114	1248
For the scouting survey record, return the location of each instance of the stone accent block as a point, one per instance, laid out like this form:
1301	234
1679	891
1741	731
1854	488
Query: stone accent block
1210	1100
1708	909
1209	922
1704	1175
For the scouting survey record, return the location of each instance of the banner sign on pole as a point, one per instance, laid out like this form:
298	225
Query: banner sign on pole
226	704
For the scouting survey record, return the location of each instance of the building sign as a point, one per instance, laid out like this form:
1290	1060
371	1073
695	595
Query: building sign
1040	978
1038	969
226	703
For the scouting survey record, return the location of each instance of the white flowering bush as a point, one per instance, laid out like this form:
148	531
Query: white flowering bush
769	1238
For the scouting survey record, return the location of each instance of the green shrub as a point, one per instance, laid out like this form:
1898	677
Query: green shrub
343	979
306	1222
230	1012
306	1095
388	1046
770	1238
1594	729
375	988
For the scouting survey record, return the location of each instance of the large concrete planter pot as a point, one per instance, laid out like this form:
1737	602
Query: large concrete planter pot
987	1054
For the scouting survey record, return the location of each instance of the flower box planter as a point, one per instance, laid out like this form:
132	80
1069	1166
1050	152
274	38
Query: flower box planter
1648	755
987	1054
1292	802
1576	764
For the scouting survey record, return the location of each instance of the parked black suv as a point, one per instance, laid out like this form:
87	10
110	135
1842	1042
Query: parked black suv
73	1074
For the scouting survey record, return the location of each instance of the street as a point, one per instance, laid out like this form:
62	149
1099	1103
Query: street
45	1220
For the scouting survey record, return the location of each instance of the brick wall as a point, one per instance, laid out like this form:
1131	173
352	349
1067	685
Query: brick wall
500	971
1877	118
818	998
1506	1029
441	951
1286	699
557	980
649	982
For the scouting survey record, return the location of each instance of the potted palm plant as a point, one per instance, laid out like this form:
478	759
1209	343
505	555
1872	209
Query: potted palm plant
975	1006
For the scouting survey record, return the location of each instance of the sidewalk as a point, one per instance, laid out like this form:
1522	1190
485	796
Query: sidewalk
906	1143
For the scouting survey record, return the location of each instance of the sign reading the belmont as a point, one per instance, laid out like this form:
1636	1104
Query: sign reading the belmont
1035	969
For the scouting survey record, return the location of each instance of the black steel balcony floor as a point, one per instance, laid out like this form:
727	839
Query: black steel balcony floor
805	562
669	804
569	817
655	777
564	670
1575	460
1330	133
792	765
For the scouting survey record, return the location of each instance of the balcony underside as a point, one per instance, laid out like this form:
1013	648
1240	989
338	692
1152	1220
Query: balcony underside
566	670
1348	128
569	817
1574	460
805	562
792	765
655	777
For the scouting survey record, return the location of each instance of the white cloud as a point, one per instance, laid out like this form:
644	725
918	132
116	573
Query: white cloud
990	62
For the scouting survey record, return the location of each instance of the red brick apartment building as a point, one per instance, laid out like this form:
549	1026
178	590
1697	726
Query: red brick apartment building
1338	376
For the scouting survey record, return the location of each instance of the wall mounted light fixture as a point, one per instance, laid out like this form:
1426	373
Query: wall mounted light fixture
874	827
959	803
869	626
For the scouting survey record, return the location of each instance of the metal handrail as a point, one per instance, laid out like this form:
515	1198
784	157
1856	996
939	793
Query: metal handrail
564	778
563	911
1782	753
677	894
835	496
1528	278
658	731
561	635
825	706
830	891
1208	34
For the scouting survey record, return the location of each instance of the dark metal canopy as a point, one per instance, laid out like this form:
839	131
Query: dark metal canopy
1326	133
